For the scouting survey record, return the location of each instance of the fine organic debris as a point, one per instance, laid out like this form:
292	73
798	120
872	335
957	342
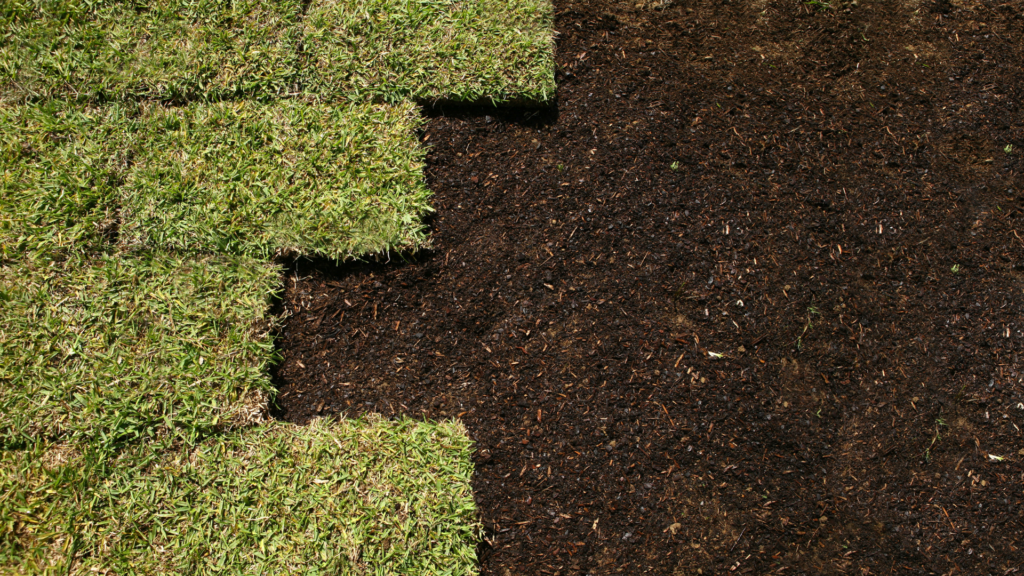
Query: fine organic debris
577	283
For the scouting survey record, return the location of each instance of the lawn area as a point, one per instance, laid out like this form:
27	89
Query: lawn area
102	345
129	347
169	50
61	165
157	157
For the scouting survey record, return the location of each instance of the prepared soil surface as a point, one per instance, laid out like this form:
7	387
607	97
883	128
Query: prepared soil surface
748	300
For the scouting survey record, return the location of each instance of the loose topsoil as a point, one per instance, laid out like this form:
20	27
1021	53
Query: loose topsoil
748	299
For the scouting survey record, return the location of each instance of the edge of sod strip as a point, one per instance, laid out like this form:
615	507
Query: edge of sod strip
476	51
289	177
348	497
125	348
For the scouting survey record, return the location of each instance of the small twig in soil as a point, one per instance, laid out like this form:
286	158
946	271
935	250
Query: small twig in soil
738	539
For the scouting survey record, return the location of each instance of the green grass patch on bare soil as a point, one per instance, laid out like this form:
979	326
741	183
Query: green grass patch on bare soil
288	176
349	497
122	348
469	51
171	50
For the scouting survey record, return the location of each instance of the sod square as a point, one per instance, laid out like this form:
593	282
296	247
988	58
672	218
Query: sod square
349	497
284	177
116	349
171	50
468	51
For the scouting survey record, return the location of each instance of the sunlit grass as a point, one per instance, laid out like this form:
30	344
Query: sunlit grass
124	348
60	169
169	50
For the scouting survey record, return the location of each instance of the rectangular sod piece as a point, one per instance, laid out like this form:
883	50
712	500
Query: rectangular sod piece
459	50
170	50
118	349
349	497
60	167
288	176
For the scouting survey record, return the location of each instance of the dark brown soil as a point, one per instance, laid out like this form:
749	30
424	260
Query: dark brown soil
749	300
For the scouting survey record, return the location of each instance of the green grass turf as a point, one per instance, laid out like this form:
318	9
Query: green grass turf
171	50
350	497
470	51
131	379
115	349
288	176
107	346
